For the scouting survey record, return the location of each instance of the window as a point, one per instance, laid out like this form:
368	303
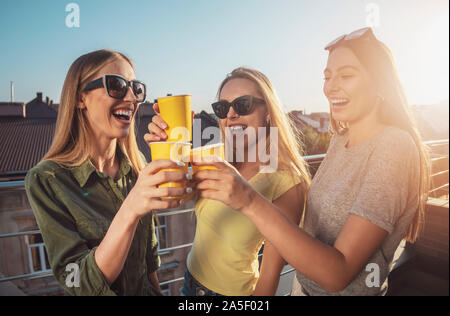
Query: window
165	289
37	255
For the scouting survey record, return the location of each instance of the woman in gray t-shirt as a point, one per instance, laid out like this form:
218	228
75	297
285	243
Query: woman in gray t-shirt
368	194
378	181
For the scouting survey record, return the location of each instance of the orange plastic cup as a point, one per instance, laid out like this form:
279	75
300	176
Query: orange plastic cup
176	112
174	151
207	152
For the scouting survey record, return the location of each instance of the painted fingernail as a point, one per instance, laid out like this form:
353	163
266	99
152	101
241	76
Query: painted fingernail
164	125
179	163
188	190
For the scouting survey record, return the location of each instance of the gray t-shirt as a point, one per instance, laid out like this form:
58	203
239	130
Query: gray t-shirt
377	180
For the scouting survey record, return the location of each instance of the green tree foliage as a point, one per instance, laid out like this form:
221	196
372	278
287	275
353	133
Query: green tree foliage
315	143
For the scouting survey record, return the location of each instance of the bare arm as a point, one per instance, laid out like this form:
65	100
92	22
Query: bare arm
291	204
112	252
332	267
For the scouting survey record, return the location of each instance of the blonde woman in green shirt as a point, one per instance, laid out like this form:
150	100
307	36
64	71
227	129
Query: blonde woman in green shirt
224	256
92	194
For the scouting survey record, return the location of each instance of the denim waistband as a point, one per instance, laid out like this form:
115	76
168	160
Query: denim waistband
195	288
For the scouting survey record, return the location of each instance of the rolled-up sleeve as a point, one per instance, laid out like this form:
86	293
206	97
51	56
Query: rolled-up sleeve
72	262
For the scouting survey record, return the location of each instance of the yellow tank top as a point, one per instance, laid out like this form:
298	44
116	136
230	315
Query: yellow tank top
224	256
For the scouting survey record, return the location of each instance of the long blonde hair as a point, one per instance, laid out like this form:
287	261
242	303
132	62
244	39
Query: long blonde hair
290	145
72	142
394	111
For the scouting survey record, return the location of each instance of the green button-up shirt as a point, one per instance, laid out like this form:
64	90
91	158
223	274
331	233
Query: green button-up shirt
74	208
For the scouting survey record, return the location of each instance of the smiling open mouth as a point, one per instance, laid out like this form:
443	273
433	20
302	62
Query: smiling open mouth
340	102
123	116
237	129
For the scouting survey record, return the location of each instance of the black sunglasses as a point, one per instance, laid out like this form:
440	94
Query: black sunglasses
361	34
242	106
117	86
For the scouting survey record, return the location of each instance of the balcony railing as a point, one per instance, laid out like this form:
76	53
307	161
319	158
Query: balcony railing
311	160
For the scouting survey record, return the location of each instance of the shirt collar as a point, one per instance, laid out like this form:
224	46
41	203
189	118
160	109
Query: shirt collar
83	172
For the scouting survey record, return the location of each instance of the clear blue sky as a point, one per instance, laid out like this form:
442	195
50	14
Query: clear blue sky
188	46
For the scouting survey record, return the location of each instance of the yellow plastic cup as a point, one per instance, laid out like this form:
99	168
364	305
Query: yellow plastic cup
176	112
207	152
176	151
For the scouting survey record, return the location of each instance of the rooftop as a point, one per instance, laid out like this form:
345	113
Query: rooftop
27	133
12	109
23	142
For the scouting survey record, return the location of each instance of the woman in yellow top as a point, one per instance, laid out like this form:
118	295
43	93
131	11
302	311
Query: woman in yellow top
224	256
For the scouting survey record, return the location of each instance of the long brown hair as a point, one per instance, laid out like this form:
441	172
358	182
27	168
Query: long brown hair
72	143
290	145
377	58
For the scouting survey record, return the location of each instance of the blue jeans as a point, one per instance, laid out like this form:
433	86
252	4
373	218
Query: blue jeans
192	288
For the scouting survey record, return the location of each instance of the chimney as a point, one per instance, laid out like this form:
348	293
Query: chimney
12	91
47	100
39	97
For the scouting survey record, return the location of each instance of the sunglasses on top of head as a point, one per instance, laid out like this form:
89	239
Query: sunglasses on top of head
242	106
117	87
364	34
